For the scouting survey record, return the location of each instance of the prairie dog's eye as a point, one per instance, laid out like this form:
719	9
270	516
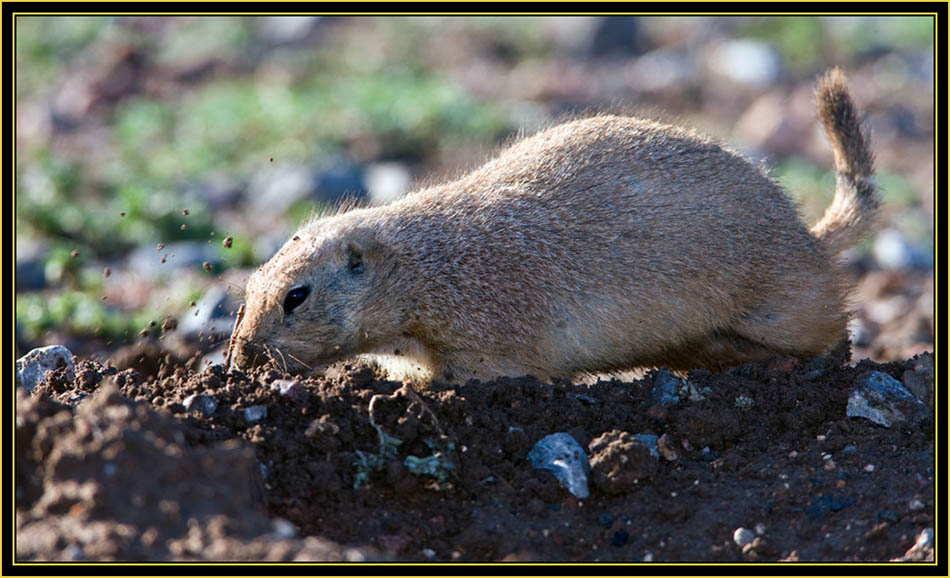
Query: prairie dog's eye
295	297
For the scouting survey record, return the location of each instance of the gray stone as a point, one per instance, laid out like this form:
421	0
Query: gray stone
31	368
255	413
387	182
665	388
202	404
275	188
662	69
922	550
561	455
884	400
892	250
743	536
650	441
285	29
745	61
291	389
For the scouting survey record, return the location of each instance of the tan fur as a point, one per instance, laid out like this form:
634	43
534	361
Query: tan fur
598	245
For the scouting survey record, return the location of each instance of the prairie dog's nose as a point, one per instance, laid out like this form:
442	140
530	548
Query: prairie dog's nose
247	355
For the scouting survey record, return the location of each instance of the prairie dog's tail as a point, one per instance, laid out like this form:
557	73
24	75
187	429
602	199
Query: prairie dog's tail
851	214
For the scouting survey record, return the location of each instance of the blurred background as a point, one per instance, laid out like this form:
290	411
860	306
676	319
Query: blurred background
142	143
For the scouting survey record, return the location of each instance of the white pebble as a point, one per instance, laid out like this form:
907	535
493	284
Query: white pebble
255	413
203	404
743	536
284	528
31	368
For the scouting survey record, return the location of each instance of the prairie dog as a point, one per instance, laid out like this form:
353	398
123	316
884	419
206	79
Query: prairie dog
598	245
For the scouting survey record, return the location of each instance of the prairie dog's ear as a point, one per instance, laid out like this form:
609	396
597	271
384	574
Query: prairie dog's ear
353	255
359	247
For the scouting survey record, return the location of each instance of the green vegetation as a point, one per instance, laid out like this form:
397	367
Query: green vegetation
804	40
79	313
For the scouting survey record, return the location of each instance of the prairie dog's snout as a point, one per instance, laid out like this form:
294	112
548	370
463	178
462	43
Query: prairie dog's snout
598	245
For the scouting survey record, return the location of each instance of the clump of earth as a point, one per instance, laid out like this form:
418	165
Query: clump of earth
148	456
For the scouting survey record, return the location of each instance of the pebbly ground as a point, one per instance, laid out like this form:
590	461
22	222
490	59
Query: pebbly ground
146	456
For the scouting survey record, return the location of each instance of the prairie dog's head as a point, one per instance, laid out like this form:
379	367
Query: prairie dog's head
326	295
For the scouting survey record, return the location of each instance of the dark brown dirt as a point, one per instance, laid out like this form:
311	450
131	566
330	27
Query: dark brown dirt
141	464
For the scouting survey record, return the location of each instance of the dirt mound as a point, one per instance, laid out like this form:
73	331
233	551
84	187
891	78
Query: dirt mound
756	463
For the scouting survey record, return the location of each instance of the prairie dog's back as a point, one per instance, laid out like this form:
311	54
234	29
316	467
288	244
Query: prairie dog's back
603	223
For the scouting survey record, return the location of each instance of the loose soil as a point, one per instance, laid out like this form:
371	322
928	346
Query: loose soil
149	457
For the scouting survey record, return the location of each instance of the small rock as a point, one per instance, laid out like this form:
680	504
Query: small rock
291	389
922	550
200	403
665	447
561	455
31	368
743	536
284	528
883	400
744	402
273	189
860	332
893	251
651	442
586	399
662	69
286	29
748	62
386	182
689	391
255	413
665	388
